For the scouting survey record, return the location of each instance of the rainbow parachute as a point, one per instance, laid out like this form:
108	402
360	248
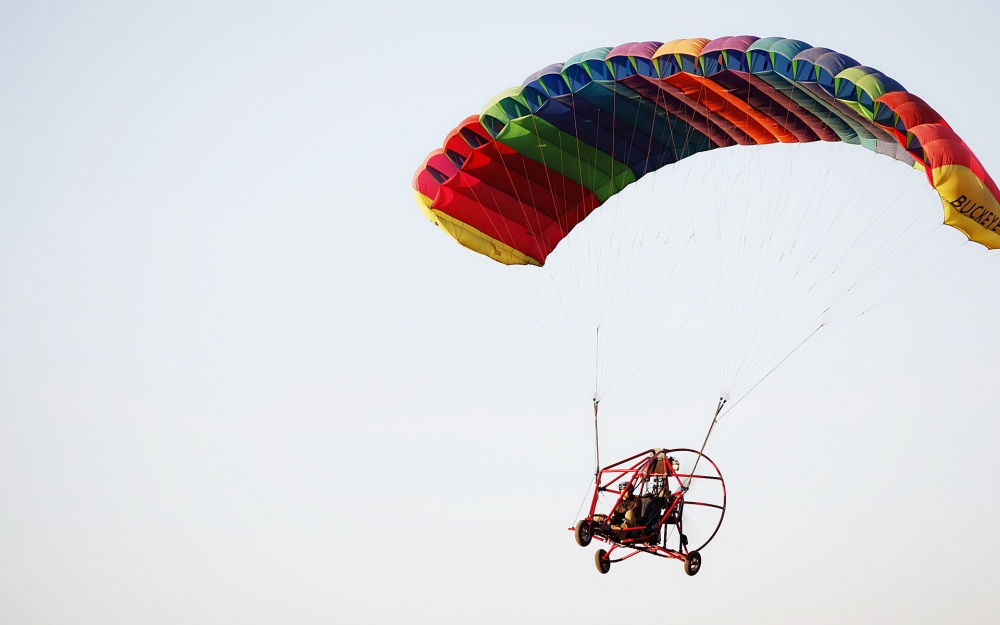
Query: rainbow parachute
512	182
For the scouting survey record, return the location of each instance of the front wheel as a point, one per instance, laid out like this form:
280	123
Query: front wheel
583	533
602	561
692	564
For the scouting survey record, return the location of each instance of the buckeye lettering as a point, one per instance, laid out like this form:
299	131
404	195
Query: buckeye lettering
977	212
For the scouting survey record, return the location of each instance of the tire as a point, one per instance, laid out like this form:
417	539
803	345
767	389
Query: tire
692	564
583	533
602	561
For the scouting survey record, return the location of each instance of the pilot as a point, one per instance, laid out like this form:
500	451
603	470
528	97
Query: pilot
629	505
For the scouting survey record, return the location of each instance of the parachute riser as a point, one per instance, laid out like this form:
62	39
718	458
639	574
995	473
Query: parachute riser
597	442
597	368
704	443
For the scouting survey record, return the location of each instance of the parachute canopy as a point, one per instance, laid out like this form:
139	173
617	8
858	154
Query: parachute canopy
513	181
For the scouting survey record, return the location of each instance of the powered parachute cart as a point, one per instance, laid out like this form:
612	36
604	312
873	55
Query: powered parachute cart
664	502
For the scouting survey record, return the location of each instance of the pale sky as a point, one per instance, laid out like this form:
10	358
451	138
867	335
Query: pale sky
243	379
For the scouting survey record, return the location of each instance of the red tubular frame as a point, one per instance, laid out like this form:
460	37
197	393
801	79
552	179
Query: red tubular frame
639	543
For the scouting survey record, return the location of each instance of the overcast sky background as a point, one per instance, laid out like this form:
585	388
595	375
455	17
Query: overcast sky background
243	379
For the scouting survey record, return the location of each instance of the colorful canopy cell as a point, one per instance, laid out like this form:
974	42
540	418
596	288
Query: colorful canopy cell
514	180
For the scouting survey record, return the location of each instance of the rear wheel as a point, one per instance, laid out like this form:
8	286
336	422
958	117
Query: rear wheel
583	533
692	564
602	561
